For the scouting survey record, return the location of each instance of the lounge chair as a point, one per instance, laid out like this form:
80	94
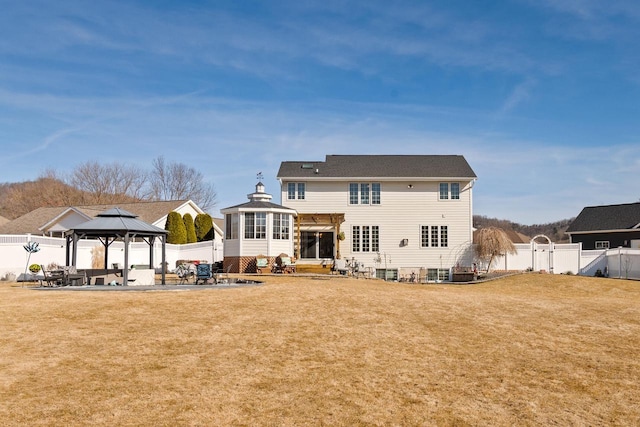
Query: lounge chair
186	272
50	279
203	273
262	263
284	264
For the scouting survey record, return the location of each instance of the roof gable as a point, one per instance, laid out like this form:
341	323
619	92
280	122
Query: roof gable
380	166
610	217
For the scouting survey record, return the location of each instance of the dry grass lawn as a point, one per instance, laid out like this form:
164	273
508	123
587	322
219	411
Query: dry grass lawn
525	350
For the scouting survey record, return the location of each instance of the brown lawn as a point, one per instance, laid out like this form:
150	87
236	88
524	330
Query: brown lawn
525	350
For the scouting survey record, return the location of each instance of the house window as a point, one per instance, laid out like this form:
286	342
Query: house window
255	225
444	191
364	193
280	226
365	238
449	191
434	236
437	274
296	190
231	226
375	239
455	191
602	244
375	193
444	236
355	238
424	236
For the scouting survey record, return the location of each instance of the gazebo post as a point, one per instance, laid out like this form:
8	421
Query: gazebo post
152	240
164	258
106	252
125	270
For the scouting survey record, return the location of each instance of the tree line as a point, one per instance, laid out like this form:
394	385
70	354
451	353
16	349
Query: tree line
97	183
554	230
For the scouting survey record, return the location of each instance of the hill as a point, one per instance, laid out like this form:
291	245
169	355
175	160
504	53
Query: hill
553	230
17	199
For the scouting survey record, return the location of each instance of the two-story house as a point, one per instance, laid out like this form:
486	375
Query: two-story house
399	214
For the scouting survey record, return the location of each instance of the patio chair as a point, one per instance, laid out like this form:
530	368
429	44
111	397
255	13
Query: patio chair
203	273
360	270
50	279
72	276
340	267
222	272
185	272
262	263
284	264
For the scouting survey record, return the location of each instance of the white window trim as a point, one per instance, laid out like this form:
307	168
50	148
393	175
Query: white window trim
440	228
359	193
449	192
296	192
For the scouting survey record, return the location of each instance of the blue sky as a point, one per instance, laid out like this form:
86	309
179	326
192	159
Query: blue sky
540	96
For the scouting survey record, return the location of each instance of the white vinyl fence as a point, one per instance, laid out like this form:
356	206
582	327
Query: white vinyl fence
623	263
13	256
565	258
569	258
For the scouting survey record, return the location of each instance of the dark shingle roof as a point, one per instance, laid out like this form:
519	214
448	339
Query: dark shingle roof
117	220
380	166
258	205
610	217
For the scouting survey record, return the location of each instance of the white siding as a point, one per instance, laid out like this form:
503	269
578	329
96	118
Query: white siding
252	247
404	207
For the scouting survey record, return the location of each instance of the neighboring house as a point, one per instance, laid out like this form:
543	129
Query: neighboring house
54	221
257	227
604	227
397	213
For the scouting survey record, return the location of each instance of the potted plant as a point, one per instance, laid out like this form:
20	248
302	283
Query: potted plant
34	268
341	235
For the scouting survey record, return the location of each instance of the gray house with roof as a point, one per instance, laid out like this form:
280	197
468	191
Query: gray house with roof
604	227
397	214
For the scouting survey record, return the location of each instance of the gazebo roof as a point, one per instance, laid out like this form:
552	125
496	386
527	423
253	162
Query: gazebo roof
117	221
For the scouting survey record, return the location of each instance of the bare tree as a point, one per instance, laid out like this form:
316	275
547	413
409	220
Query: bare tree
492	242
177	181
109	183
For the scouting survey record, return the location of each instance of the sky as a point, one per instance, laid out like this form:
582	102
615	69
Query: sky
542	97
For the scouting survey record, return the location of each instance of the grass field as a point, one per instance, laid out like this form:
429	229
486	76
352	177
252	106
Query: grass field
524	350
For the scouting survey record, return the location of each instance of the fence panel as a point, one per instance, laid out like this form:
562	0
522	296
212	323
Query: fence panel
624	263
13	257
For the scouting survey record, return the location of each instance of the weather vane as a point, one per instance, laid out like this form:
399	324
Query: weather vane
259	176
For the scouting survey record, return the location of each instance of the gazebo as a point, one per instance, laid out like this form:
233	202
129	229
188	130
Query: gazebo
116	224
